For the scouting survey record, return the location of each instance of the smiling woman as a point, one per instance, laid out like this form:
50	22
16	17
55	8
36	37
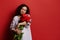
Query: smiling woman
22	20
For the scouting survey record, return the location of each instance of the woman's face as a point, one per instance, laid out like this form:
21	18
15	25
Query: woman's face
23	10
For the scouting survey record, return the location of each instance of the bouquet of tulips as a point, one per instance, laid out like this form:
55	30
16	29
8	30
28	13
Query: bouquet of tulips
24	17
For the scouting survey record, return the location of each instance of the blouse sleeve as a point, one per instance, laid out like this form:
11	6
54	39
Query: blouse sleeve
13	23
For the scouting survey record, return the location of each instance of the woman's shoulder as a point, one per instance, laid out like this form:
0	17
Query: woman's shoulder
15	17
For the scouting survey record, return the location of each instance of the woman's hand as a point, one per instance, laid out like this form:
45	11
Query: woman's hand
17	27
18	31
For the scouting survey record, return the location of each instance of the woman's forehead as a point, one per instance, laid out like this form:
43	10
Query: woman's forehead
24	8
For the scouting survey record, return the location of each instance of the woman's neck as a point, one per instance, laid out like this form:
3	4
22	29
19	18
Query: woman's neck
19	16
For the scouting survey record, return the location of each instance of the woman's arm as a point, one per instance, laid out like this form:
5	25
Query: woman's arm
22	23
14	23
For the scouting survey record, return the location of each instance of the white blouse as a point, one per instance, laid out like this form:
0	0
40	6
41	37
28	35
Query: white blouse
26	30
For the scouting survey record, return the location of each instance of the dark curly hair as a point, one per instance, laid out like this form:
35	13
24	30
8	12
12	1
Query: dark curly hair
20	7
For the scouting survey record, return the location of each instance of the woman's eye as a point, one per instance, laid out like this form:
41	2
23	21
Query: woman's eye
24	9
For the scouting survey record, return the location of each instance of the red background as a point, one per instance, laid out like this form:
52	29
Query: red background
45	18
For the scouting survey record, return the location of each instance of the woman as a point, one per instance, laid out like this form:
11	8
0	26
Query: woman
22	9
